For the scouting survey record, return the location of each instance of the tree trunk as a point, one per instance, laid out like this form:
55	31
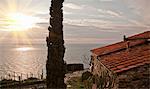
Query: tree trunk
55	65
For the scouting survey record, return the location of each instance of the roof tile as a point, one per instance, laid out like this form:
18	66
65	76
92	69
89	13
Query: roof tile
121	45
138	54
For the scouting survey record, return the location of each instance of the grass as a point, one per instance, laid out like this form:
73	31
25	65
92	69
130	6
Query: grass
75	83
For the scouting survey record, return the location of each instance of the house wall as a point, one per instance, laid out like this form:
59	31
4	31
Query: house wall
137	78
105	79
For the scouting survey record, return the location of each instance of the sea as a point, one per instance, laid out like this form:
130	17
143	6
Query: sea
30	60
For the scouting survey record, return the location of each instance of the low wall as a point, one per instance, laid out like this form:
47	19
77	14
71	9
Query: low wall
75	67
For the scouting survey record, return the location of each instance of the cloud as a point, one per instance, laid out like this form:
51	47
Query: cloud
94	21
41	15
113	13
72	6
106	26
67	12
87	40
42	24
141	8
109	12
106	0
72	34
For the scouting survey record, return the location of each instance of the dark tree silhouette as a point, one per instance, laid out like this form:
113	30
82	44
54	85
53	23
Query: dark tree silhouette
55	65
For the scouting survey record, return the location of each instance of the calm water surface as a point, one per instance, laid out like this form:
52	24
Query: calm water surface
27	59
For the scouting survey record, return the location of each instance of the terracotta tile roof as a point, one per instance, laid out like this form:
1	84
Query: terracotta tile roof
126	60
122	60
121	45
142	35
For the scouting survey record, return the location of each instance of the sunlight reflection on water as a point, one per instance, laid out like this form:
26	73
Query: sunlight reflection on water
27	59
24	49
24	60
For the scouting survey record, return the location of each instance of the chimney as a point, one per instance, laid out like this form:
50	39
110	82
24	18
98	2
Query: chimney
124	38
128	44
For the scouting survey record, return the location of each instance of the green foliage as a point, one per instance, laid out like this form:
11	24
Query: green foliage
87	79
101	81
86	75
75	83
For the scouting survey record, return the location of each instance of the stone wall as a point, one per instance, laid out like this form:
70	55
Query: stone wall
104	78
137	78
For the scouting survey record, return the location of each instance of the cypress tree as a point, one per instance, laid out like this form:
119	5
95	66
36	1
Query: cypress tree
55	65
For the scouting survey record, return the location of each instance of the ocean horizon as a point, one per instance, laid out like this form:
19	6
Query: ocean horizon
31	59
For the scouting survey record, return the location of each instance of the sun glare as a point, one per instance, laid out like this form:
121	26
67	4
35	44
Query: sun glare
24	49
20	22
18	18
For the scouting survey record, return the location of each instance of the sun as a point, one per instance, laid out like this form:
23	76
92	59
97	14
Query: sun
20	22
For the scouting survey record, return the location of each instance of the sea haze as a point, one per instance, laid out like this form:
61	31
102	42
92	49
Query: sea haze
31	59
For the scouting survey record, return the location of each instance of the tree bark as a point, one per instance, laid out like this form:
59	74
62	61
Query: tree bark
55	65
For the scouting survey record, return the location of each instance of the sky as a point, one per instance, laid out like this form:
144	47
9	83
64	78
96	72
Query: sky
85	21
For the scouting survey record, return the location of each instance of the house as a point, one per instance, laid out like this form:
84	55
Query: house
123	65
